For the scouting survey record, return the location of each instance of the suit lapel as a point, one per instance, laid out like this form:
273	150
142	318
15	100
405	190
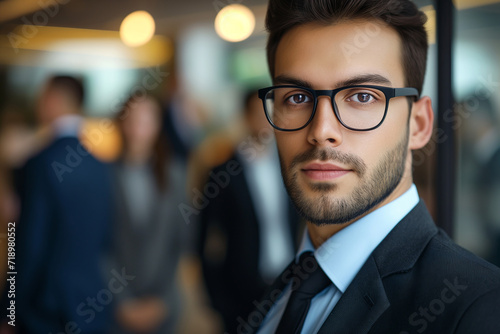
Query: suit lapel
365	300
361	305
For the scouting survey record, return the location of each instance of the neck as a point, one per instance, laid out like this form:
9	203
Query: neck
58	116
320	234
136	157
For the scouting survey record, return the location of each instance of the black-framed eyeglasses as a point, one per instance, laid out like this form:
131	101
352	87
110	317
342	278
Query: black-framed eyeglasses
358	108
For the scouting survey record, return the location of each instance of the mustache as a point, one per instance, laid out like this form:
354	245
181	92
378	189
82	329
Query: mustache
347	159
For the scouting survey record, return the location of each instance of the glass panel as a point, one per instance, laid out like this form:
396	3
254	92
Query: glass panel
476	86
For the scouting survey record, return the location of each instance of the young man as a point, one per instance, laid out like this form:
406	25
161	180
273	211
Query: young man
347	112
64	226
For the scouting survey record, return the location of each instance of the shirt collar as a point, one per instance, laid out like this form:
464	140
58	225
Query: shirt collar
344	253
67	126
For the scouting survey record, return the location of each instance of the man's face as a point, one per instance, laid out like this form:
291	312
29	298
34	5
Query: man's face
335	175
50	105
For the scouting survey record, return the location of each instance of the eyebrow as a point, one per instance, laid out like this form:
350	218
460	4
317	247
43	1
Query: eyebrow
357	80
365	78
288	80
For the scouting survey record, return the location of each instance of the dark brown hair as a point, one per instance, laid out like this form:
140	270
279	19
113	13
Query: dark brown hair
161	149
71	86
402	15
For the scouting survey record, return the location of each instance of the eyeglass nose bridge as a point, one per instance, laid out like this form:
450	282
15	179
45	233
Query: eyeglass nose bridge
331	95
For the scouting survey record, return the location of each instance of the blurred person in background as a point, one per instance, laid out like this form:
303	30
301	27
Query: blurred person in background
149	234
63	230
249	230
489	192
185	120
482	168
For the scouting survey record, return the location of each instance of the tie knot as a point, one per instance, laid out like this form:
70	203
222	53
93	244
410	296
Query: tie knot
308	277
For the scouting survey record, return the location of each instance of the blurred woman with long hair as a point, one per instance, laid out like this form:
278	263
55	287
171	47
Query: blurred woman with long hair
149	230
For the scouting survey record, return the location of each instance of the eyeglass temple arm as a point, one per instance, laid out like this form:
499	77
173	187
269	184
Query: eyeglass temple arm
407	91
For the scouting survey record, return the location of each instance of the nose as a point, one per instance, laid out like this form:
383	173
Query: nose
325	129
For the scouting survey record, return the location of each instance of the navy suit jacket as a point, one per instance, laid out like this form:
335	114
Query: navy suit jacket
62	234
416	281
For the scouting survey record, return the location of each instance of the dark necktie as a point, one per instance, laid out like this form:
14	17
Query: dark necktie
308	280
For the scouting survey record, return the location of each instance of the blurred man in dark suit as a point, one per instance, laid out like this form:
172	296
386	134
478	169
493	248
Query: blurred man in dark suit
63	229
249	230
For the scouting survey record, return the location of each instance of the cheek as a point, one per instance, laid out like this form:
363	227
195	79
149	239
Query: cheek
291	144
374	144
396	120
373	147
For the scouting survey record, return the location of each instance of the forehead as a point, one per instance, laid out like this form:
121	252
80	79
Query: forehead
325	55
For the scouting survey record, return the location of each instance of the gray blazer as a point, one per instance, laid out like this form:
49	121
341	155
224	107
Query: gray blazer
150	249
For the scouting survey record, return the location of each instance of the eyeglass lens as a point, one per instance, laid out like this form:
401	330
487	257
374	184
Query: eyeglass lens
358	108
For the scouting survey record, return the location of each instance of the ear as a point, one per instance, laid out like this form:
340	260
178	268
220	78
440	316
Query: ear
421	123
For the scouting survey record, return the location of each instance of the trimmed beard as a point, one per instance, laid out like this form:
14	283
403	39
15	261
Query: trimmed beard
372	190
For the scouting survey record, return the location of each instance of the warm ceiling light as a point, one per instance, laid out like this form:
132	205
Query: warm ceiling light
235	23
137	28
466	4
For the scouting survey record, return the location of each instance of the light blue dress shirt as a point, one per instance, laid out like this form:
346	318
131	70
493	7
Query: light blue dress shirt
67	126
341	257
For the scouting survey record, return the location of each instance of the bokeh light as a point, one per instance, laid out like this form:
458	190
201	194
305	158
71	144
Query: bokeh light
101	138
235	23
137	28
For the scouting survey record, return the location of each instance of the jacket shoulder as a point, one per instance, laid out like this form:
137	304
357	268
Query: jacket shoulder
445	256
448	290
432	284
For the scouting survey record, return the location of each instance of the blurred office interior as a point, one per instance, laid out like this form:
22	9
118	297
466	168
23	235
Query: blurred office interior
200	71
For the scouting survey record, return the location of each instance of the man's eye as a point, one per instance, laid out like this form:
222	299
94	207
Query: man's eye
362	97
298	98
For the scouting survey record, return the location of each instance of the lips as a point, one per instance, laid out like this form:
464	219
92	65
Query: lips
324	171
